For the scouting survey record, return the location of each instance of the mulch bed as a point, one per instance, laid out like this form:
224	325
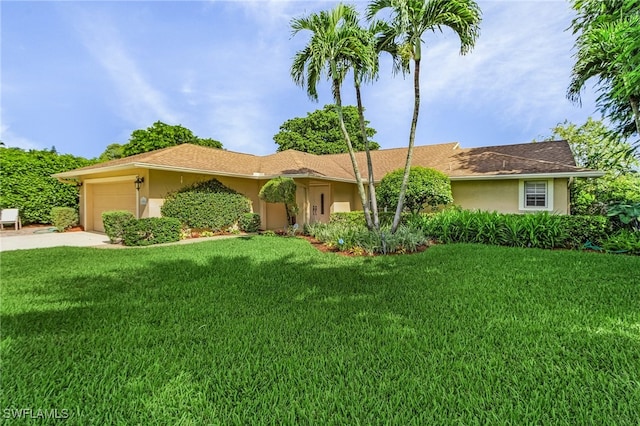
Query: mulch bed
324	249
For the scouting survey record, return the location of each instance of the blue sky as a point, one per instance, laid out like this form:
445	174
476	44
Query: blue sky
82	75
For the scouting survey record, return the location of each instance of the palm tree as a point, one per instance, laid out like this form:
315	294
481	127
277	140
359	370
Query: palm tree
409	20
335	45
608	50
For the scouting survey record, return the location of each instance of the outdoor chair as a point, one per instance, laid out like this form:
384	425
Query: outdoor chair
10	217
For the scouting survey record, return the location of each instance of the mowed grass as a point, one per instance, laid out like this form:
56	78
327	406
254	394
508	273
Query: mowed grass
268	330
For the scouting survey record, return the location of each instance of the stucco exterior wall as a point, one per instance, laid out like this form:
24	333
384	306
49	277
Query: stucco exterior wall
343	200
499	195
503	195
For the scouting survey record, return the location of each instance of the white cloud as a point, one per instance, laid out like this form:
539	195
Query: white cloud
139	101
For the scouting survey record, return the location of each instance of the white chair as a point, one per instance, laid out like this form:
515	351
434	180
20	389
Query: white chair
10	217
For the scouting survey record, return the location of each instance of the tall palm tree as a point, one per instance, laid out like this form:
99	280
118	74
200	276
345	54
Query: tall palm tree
366	71
410	19
334	46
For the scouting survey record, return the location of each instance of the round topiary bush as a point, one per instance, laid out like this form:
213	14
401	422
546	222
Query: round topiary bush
426	187
206	205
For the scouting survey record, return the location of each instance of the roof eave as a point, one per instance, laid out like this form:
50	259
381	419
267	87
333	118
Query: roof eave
585	174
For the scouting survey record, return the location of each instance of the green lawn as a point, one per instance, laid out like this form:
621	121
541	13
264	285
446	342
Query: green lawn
267	330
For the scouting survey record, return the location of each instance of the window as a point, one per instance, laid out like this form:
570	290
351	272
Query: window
321	203
536	194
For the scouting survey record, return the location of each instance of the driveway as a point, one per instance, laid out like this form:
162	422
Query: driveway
32	238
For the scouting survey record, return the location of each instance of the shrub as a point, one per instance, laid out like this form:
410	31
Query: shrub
114	223
249	222
281	190
64	218
356	239
426	187
623	241
540	230
27	183
356	218
625	215
206	205
151	230
583	229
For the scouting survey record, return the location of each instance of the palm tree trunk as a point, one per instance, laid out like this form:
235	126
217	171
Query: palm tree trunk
412	138
636	113
372	188
352	155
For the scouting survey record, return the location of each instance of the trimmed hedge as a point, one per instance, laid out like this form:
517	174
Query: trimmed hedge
206	205
27	183
64	218
249	222
114	223
151	230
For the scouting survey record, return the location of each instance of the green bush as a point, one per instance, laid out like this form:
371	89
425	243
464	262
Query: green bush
540	230
281	190
583	229
623	241
358	238
64	218
27	183
206	205
356	218
151	230
426	187
249	222
114	223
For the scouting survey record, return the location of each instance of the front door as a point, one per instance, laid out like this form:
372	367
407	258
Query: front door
319	200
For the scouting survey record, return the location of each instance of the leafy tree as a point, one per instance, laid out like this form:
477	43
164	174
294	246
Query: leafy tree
319	132
27	183
408	21
281	190
427	187
608	50
161	135
334	47
113	152
595	147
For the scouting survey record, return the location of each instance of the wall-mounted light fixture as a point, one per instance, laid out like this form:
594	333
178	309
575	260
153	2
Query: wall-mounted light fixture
78	184
139	181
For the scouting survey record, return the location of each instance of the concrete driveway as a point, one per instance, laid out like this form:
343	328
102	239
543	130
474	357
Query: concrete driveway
24	239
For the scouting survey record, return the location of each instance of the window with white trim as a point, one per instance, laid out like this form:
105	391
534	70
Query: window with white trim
536	194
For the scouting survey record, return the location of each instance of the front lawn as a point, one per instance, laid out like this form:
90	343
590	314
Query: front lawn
267	330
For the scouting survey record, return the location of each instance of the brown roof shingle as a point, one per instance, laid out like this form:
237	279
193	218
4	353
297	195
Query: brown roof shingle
503	160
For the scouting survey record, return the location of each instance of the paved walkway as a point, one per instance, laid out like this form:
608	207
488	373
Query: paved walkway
21	241
38	237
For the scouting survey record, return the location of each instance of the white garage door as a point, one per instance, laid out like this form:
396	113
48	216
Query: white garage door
112	196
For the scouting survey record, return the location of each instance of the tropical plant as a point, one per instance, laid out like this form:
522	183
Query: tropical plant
281	190
408	21
335	45
426	187
608	49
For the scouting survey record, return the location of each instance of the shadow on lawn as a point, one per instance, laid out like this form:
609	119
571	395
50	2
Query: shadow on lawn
236	285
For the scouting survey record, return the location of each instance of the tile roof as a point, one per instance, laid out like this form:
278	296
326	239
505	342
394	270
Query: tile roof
503	160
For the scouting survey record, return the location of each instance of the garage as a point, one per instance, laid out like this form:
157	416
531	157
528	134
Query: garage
109	196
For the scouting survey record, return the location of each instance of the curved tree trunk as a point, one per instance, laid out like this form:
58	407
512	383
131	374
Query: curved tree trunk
371	181
636	111
412	138
354	162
